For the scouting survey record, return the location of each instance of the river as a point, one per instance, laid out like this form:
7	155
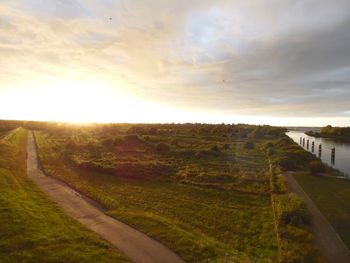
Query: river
342	150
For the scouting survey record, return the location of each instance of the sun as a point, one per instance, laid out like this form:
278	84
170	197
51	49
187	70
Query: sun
78	101
74	101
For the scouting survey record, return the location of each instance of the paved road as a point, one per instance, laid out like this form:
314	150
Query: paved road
326	239
136	245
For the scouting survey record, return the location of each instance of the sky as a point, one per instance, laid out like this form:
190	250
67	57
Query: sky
275	62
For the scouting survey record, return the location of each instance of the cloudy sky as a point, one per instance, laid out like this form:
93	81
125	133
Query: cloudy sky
274	61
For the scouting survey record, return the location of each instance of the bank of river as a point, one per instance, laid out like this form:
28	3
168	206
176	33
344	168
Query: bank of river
342	150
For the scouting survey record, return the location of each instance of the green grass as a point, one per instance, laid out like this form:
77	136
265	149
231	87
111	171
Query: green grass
221	205
332	197
33	228
206	194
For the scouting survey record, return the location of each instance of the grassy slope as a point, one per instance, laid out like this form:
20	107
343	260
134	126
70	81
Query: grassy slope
33	228
332	197
196	222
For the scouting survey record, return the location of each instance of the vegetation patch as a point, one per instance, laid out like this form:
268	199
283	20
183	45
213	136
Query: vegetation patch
207	196
33	228
332	197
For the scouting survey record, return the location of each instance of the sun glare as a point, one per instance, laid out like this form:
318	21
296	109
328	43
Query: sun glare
90	102
79	102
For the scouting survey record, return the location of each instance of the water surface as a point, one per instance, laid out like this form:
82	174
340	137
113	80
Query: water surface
342	150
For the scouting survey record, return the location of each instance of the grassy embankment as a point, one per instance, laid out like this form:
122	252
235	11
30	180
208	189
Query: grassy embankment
202	191
332	196
33	228
292	216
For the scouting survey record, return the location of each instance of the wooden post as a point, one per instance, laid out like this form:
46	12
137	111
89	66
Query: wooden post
333	156
320	150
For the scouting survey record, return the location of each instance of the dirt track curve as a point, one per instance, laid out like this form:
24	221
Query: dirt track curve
326	239
134	244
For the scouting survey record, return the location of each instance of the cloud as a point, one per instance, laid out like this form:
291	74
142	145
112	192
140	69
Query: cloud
276	58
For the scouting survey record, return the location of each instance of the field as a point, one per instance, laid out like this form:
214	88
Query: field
202	190
33	228
332	196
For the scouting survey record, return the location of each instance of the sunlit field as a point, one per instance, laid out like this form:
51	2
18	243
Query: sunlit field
33	228
202	190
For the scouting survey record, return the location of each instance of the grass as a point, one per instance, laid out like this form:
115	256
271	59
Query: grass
332	197
204	197
32	227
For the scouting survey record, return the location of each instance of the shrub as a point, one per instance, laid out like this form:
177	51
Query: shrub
117	141
174	142
207	154
107	142
226	146
153	131
131	137
285	163
162	147
269	145
270	152
215	148
249	145
292	210
71	144
316	167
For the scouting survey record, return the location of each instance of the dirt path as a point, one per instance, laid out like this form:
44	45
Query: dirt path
326	239
136	245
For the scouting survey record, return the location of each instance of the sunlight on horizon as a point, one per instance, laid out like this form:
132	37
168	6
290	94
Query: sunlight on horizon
74	101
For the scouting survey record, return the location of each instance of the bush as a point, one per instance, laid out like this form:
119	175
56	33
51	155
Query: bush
316	167
117	141
215	148
207	154
249	145
226	146
71	144
163	147
153	131
174	142
107	142
286	164
292	210
270	152
131	138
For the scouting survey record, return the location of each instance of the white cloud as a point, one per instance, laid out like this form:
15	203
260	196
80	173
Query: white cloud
241	57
